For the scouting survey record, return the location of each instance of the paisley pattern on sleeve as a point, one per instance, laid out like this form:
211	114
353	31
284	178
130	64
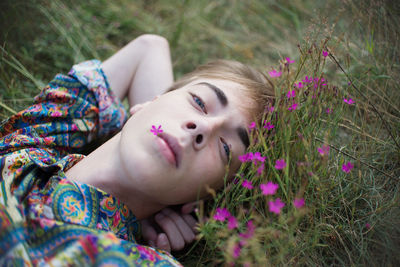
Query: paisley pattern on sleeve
90	74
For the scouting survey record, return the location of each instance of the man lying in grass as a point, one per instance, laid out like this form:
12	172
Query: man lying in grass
60	207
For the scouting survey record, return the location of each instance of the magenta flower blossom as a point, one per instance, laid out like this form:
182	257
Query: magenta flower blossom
236	251
325	53
289	61
257	157
269	188
291	94
155	130
293	107
347	167
252	125
246	157
307	80
271	109
221	214
328	110
254	157
250	230
268	125
232	223
299	85
247	184
367	225
280	164
298	202
324	150
276	206
349	101
274	73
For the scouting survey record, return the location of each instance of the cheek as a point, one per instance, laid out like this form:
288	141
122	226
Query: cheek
209	171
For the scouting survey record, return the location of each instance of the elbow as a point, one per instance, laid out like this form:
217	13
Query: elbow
151	41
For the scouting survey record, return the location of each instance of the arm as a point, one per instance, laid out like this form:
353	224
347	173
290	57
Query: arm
141	70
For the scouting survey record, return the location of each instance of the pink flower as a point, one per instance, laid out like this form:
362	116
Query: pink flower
348	101
252	125
298	202
291	94
269	126
367	225
274	73
269	188
280	164
325	53
232	223
307	80
252	157
247	184
257	157
289	61
246	157
249	232
276	206
155	130
347	167
293	107
299	85
271	109
236	251
328	110
221	214
324	150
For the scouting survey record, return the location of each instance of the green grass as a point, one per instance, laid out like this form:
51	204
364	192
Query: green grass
40	38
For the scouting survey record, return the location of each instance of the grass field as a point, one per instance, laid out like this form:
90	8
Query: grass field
349	218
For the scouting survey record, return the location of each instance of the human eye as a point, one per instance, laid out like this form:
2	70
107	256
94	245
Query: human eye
227	148
199	102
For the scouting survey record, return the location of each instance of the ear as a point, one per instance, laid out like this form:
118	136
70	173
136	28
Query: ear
138	107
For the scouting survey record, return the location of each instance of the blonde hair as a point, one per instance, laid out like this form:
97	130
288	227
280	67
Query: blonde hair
257	86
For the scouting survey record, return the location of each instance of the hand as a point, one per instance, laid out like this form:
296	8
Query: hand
170	229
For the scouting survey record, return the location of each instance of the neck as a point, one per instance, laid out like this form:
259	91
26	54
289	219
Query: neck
102	169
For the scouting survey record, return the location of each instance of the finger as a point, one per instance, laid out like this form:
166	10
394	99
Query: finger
186	230
163	242
148	232
189	207
191	221
174	236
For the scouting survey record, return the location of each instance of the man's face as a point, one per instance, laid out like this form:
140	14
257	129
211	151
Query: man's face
203	124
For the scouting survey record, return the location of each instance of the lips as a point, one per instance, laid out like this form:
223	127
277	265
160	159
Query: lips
173	149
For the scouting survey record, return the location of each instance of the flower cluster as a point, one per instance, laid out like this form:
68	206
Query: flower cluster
252	157
222	214
275	194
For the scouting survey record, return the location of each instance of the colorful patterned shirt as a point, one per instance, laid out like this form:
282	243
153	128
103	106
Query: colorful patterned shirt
45	218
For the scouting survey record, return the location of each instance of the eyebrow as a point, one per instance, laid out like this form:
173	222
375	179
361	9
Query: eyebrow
220	94
242	133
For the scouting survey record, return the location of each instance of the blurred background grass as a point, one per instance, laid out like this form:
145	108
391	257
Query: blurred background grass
40	38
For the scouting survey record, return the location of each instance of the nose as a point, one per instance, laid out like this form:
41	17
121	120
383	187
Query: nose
201	130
